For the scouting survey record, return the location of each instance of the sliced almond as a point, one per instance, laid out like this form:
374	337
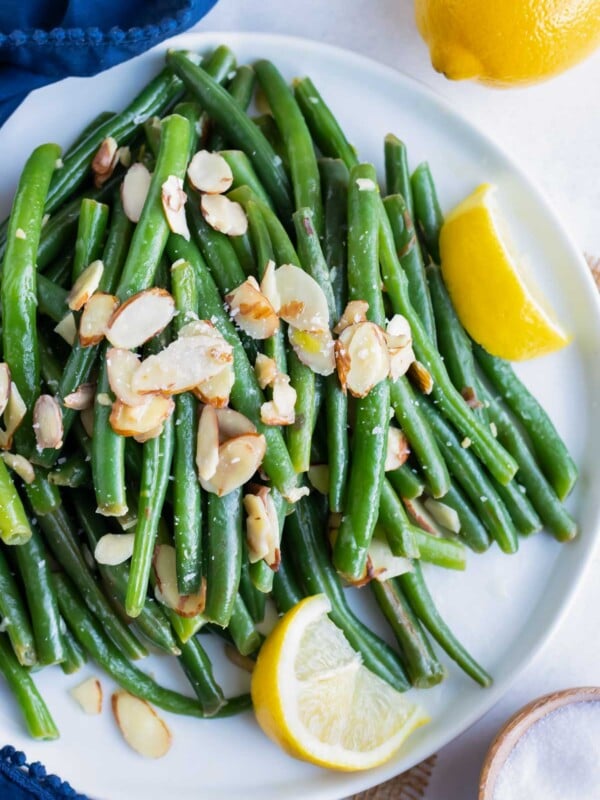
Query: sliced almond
399	327
121	366
142	728
85	285
105	161
67	328
470	397
87	420
140	318
207	444
302	302
153	433
216	390
210	173
95	317
421	377
173	203
231	424
223	214
165	570
355	312
251	310
81	398
198	327
20	465
400	360
14	414
239	459
184	364
114	548
135	420
268	285
281	409
384	564
318	475
134	191
88	695
362	358
265	370
297	493
443	514
262	528
398	449
316	349
422	517
4	386
398	337
47	423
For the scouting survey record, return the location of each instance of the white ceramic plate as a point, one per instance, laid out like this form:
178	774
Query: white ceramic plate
504	607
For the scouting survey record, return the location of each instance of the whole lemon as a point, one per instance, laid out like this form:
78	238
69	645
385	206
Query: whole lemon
508	42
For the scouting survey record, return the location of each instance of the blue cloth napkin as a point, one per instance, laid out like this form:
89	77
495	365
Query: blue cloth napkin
22	781
42	41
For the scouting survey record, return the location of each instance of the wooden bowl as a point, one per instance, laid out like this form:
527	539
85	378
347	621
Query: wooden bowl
519	724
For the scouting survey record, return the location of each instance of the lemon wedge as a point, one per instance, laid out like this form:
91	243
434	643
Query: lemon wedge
487	286
313	696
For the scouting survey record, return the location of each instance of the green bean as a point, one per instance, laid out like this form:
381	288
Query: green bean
187	507
411	260
406	482
440	550
397	174
89	129
246	396
427	212
237	127
518	505
73	472
300	433
14	616
400	533
91	636
244	174
306	182
369	443
242	247
218	252
241	628
14	525
52	299
108	458
286	591
334	179
18	289
468	473
93	220
241	89
267	126
420	662
59	271
223	555
75	656
41	600
254	600
198	669
417	594
472	531
552	454
282	246
38	720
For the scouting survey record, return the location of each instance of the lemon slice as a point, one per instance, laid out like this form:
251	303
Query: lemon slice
487	286
313	696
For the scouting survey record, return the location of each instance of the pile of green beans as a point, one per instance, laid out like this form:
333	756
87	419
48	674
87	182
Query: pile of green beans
481	452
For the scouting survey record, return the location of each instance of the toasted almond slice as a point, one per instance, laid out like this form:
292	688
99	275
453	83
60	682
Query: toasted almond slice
281	409
421	377
114	548
318	475
232	424
251	310
384	564
153	433
239	459
207	443
422	517
316	349
210	173
134	191
265	370
399	326
121	366
362	358
88	695
268	285
47	422
398	449
400	360
355	311
14	414
81	398
183	365
85	285
302	301
4	386
216	390
20	465
96	315
262	528
223	214
87	420
67	328
140	318
297	493
198	327
443	514
173	203
142	728
135	420
105	161
165	569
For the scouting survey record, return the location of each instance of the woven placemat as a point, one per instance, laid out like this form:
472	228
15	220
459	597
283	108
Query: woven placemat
412	784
